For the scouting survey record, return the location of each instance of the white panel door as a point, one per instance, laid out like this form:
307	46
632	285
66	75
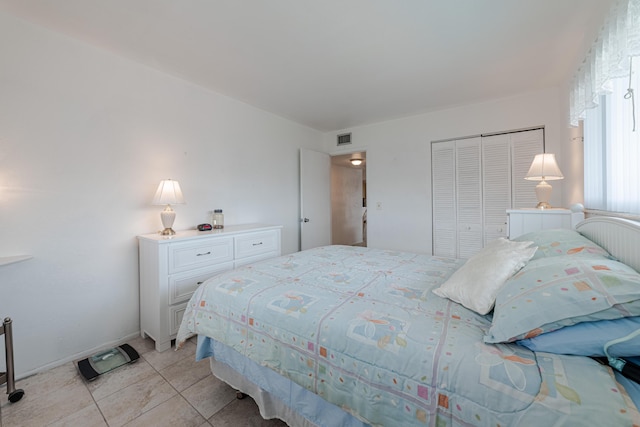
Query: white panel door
496	186
475	181
469	197
315	199
443	183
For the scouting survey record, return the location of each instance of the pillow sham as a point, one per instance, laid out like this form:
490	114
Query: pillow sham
589	338
475	284
562	241
552	293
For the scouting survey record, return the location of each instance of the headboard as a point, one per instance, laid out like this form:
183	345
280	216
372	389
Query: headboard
619	236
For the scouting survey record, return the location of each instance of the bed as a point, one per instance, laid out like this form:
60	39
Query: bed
355	336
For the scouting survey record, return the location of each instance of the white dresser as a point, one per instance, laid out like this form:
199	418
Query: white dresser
172	267
523	221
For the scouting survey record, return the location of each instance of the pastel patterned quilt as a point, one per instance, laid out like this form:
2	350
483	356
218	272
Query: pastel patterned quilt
361	328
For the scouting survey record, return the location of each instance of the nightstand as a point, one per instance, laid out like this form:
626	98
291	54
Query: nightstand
172	267
523	221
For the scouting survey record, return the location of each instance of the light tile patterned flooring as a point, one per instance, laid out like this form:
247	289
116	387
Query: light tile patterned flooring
160	389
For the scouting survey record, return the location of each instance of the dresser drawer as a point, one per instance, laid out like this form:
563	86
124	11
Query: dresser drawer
175	317
183	285
190	255
256	244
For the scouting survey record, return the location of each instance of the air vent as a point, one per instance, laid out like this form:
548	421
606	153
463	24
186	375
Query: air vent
344	139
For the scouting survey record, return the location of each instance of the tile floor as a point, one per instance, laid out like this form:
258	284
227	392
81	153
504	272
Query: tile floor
160	389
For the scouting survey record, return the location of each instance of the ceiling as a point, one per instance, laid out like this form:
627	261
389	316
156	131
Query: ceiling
335	64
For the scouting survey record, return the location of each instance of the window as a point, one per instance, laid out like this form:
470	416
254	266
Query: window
612	150
601	94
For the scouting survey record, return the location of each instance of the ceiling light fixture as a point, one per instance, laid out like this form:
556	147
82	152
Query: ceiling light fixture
356	162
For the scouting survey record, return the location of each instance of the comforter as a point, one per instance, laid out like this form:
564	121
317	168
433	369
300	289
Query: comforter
361	328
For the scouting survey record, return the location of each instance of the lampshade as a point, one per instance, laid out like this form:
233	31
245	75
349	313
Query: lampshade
543	168
168	193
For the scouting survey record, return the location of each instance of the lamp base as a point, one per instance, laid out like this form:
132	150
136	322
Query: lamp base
167	232
167	216
543	194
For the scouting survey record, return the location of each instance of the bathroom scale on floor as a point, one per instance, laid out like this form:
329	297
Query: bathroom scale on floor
107	360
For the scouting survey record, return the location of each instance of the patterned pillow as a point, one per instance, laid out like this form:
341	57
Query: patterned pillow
551	293
560	242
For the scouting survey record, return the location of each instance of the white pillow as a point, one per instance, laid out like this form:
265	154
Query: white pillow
476	284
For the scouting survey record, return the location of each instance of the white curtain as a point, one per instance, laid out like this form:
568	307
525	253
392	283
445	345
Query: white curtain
612	152
609	58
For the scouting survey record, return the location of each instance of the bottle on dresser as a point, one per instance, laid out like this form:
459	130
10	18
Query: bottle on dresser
217	219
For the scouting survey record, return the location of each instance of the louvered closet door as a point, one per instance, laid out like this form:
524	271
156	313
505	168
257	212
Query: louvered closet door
496	189
524	147
443	182
469	197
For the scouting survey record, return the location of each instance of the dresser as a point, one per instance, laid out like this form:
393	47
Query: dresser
172	267
523	221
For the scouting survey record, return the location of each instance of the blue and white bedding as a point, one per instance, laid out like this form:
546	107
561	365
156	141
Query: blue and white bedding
286	400
361	328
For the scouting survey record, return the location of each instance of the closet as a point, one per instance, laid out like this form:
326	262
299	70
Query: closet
474	181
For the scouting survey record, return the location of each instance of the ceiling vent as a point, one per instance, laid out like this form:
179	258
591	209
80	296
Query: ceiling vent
344	139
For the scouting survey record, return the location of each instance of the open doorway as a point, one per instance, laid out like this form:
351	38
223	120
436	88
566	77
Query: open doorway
349	199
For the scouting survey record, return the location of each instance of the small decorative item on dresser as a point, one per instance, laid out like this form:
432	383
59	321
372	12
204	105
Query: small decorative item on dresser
217	219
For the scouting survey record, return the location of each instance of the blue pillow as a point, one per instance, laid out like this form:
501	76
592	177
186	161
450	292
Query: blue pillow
589	338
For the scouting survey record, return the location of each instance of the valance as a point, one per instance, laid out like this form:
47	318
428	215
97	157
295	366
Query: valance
609	58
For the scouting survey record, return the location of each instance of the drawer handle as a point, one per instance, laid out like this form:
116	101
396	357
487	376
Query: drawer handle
208	253
257	244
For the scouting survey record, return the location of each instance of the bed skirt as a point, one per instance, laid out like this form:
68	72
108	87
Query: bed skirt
275	396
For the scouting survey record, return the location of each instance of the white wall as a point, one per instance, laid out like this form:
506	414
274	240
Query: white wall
85	138
399	160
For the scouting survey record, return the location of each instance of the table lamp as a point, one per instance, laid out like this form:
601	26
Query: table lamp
544	168
168	193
